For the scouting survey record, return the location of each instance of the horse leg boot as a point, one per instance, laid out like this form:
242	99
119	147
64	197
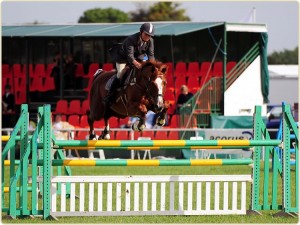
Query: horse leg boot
109	97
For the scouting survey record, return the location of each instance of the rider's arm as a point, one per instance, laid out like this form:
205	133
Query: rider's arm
150	50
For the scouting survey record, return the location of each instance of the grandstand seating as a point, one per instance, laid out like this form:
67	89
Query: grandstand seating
79	72
83	121
49	84
193	69
39	70
82	135
74	120
230	65
49	68
193	84
161	135
122	135
93	67
217	69
61	107
108	66
74	107
84	107
180	69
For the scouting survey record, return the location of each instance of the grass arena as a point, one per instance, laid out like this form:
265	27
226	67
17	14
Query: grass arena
41	186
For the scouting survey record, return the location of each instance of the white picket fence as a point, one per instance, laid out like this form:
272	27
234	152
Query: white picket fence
149	195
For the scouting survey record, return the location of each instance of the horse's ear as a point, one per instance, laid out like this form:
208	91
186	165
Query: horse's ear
164	69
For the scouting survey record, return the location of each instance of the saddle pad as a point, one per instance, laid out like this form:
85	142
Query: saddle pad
109	82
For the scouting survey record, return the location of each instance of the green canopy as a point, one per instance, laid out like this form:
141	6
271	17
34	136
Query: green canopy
103	29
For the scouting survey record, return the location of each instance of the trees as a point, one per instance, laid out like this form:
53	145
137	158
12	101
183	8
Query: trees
284	57
108	15
161	11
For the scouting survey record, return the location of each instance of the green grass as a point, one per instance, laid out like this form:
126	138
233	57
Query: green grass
265	218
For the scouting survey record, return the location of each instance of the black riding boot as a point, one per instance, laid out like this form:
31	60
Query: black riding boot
115	84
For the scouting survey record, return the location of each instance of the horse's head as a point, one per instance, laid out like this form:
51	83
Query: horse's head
154	73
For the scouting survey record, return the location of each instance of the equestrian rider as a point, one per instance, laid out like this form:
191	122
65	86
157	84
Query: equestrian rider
135	46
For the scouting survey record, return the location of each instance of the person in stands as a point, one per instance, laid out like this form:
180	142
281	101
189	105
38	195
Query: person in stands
184	96
8	108
133	49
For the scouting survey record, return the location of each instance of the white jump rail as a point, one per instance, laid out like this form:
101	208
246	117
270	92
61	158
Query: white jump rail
150	195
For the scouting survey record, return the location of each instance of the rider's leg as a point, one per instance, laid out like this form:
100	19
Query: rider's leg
116	82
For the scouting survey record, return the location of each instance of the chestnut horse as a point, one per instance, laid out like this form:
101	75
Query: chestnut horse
143	92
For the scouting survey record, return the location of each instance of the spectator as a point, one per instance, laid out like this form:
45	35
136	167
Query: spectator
184	96
59	130
8	108
8	100
56	69
69	72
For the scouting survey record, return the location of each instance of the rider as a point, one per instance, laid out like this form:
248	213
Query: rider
134	46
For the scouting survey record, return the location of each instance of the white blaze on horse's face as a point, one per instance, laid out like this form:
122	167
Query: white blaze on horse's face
160	100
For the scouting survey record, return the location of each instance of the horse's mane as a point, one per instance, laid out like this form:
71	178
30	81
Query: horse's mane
157	68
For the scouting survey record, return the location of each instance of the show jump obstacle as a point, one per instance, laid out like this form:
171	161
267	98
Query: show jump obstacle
33	190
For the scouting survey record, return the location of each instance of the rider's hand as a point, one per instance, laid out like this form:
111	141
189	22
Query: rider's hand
137	64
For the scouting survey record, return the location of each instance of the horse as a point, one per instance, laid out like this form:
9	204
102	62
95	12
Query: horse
144	91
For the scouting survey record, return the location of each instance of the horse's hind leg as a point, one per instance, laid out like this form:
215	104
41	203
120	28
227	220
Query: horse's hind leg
106	132
92	135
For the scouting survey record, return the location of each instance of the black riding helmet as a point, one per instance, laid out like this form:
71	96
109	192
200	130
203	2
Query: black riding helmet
148	28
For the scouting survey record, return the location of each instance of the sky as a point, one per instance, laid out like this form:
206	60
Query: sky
281	17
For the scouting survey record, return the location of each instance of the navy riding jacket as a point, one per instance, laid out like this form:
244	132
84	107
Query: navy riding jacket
132	48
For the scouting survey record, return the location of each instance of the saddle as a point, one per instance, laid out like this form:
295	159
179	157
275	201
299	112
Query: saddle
126	80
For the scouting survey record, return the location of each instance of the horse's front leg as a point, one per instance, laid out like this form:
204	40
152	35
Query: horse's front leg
140	124
161	120
106	132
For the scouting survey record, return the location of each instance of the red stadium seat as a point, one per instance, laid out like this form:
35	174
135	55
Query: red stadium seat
205	72
39	70
49	68
17	70
161	135
179	82
217	69
79	72
230	65
93	67
74	107
193	69
108	66
83	122
114	122
74	120
61	107
36	84
180	70
174	123
148	133
84	107
20	97
49	84
122	135
82	135
173	135
193	84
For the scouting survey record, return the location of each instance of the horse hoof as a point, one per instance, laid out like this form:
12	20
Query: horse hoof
160	122
141	128
93	137
106	137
